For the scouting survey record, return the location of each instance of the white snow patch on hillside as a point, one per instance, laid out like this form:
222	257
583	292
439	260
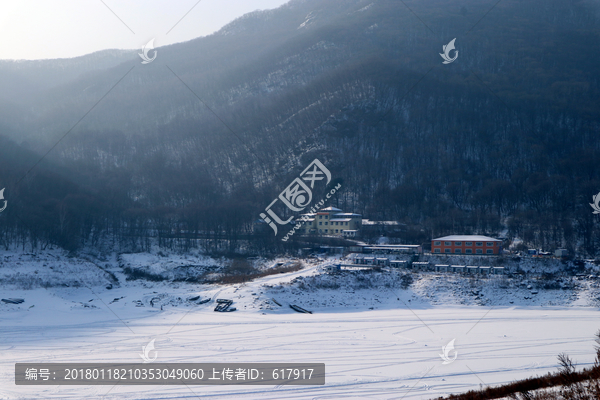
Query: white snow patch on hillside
309	19
50	268
366	7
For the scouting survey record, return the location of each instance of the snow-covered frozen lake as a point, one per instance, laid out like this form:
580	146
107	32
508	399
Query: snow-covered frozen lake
390	352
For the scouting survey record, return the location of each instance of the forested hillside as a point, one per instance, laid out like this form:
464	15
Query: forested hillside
205	137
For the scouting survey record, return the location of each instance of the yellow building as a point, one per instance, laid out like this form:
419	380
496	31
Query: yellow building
330	221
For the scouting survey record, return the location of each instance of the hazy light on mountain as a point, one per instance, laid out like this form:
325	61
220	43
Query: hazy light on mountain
38	29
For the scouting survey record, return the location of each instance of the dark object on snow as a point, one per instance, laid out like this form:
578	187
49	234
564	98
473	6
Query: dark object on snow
13	301
299	309
152	301
276	302
194	298
223	305
109	286
204	301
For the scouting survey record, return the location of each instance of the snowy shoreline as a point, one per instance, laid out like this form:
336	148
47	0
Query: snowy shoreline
380	333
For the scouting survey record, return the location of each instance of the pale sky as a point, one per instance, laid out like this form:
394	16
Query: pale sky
40	29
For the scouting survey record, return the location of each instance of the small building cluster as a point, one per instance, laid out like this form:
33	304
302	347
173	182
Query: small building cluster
332	221
463	269
379	261
368	261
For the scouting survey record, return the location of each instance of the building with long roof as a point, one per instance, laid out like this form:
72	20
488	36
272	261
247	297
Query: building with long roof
466	244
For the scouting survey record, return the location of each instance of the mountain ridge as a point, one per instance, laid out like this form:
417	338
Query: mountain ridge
503	138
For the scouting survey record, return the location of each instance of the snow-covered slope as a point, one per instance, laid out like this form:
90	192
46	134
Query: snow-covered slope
379	334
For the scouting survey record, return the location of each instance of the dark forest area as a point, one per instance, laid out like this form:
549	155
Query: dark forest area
199	142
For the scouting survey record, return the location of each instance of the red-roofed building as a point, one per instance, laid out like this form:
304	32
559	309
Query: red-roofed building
466	244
